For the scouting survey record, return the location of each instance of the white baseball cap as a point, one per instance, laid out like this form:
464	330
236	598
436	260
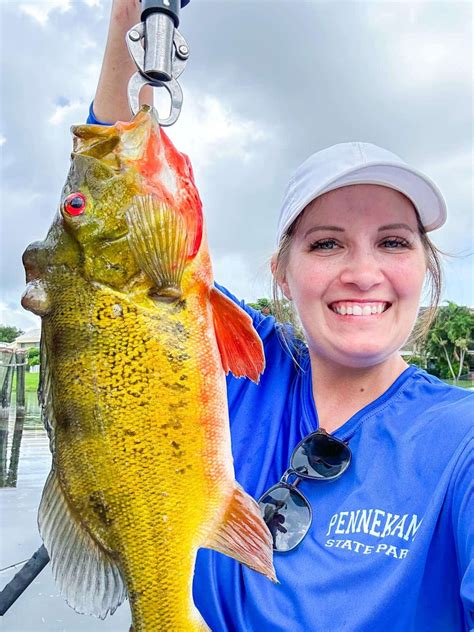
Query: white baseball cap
360	163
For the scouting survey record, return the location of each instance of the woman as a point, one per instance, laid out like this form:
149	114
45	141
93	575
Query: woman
389	545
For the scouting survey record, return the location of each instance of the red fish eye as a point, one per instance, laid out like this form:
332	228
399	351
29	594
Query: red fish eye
75	204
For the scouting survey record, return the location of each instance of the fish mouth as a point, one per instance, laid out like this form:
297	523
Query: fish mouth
359	308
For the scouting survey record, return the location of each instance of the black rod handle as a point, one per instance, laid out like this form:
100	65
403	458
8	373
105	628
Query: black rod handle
170	7
23	579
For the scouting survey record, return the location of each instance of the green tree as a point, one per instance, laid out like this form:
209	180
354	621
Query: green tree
284	314
9	333
33	356
449	339
263	305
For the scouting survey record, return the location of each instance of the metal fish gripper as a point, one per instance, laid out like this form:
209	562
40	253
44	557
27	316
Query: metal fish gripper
160	53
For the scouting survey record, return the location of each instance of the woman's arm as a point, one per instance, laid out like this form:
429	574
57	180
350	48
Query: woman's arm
111	101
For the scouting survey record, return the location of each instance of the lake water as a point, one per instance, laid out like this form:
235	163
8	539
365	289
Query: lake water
25	461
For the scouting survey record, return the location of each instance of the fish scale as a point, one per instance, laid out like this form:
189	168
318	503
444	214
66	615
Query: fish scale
135	346
110	462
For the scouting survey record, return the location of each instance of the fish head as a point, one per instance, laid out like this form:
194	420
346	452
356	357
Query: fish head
93	205
131	202
129	218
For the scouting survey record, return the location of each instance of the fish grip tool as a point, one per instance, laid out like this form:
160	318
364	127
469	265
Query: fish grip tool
160	54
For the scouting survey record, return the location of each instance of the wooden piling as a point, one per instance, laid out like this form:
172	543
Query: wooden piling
3	451
7	362
12	474
21	362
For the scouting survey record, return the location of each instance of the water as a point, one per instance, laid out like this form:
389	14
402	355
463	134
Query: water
25	461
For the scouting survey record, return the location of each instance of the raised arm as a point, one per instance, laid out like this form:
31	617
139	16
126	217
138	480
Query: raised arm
111	103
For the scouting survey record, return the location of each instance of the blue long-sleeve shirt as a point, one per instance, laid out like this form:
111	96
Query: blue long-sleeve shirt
391	545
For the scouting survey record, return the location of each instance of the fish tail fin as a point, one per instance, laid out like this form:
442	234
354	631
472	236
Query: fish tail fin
239	344
243	535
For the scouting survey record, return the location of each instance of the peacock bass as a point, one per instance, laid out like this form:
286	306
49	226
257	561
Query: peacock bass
135	345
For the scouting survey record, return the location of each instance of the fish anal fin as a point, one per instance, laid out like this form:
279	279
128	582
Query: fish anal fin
85	573
239	344
243	535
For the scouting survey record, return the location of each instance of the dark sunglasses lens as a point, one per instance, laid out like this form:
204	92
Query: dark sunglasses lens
287	516
321	456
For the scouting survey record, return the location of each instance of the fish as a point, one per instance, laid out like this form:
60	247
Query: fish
136	342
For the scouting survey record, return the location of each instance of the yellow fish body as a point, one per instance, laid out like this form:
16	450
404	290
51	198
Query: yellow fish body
135	345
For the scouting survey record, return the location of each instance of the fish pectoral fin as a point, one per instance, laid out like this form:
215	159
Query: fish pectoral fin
85	573
158	239
239	344
244	536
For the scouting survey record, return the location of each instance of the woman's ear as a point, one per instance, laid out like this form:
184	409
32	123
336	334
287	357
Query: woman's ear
281	280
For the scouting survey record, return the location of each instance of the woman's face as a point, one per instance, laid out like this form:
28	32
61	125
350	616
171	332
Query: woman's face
355	272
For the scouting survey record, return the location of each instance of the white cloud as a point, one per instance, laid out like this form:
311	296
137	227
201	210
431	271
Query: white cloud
453	174
3	140
423	57
458	275
15	316
419	48
383	16
87	78
452	171
87	43
61	112
210	131
40	11
245	278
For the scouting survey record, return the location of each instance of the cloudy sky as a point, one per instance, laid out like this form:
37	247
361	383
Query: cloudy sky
268	83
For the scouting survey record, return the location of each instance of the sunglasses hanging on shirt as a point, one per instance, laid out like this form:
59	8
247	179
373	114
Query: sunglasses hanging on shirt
286	512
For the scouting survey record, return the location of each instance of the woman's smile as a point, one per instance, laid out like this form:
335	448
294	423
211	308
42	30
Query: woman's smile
354	307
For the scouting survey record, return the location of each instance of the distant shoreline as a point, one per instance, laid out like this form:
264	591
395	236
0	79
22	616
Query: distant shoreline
32	381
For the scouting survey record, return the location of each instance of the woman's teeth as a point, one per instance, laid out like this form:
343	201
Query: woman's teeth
355	309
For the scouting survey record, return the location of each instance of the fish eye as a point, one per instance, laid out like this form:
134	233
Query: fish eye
75	204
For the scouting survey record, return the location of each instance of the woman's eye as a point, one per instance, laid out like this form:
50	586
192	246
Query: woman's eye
395	242
324	244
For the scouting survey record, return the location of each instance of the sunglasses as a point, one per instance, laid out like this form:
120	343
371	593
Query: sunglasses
286	512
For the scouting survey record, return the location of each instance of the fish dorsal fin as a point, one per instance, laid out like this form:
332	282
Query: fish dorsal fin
86	575
239	344
158	239
243	535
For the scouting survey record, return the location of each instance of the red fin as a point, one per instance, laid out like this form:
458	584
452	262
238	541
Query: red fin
244	536
240	346
186	197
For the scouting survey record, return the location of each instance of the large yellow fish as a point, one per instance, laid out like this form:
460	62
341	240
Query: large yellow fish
135	345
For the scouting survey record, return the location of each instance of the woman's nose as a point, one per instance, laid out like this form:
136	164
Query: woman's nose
363	271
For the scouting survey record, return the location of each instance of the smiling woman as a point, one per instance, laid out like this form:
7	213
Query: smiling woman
353	255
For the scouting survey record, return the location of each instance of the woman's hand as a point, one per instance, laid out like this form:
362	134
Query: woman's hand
111	101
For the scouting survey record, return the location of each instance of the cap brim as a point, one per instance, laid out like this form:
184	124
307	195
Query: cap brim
418	188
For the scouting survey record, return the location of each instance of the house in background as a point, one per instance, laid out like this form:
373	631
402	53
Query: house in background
30	338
